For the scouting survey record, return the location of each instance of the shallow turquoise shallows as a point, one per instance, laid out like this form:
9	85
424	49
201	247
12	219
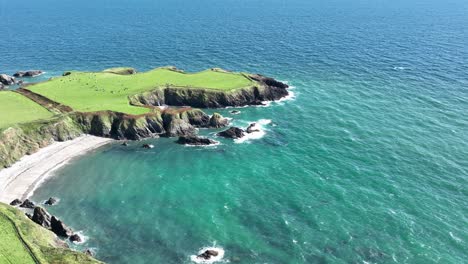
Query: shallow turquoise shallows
367	163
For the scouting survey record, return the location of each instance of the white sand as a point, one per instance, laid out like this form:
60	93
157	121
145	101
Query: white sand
21	179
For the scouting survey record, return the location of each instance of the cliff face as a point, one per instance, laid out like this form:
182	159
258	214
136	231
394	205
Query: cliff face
267	89
15	142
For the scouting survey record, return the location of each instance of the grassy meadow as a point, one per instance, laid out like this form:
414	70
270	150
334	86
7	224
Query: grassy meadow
96	91
16	108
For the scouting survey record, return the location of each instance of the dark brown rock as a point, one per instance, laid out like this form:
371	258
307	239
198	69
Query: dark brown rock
51	201
32	73
195	141
28	204
76	238
41	217
208	254
232	132
16	202
59	228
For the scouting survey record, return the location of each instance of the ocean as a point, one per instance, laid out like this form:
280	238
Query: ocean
365	163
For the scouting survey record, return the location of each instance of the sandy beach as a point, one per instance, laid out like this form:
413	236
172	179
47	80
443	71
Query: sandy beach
21	179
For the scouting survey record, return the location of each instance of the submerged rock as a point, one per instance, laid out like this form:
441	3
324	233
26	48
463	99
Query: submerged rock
59	228
147	146
208	254
235	112
51	201
252	128
28	204
16	202
217	121
7	79
76	238
32	73
195	141
41	217
232	132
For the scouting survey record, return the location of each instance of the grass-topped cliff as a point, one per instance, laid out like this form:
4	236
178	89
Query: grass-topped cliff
23	242
121	104
110	90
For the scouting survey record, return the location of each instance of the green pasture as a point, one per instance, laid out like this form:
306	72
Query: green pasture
16	108
96	91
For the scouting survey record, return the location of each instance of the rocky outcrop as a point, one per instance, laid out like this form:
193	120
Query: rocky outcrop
75	238
263	89
28	204
232	132
59	228
207	254
51	201
252	128
218	121
195	141
31	73
7	79
16	202
41	217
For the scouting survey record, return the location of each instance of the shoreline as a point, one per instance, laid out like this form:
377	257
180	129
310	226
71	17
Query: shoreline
21	179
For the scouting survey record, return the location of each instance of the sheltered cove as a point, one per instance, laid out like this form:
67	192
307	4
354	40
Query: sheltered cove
117	103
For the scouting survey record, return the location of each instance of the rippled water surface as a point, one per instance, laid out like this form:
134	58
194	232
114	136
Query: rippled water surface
367	164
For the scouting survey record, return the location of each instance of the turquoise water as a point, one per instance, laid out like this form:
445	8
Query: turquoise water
366	164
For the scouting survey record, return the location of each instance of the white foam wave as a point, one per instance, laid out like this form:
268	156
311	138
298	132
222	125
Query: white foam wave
213	259
83	238
259	125
204	146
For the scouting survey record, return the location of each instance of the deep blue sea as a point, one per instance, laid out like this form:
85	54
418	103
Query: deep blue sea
366	163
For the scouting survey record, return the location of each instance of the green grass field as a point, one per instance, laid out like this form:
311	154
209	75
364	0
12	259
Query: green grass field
23	242
16	109
96	91
12	250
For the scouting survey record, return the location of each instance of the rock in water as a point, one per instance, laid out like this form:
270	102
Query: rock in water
208	254
7	79
41	217
59	228
88	252
16	202
232	132
235	112
28	204
251	128
76	238
148	146
32	73
217	121
51	201
125	144
2	86
195	141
